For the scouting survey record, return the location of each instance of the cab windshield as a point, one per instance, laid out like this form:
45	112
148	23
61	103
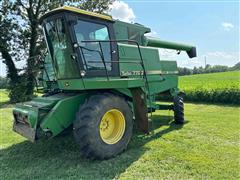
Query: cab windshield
60	48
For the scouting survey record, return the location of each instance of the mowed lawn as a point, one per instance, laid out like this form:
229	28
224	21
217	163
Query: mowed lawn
206	147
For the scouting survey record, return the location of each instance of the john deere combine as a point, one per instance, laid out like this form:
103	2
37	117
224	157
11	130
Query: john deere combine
100	77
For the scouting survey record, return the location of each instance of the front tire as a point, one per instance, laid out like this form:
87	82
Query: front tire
103	126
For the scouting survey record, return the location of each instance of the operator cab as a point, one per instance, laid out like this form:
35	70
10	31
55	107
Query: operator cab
78	42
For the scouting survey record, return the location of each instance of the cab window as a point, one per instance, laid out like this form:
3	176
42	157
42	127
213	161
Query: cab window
93	53
60	49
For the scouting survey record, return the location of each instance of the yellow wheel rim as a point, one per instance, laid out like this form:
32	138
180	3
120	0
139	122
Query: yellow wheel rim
112	126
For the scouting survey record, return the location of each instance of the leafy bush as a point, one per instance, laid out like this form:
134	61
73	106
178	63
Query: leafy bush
18	92
226	96
4	83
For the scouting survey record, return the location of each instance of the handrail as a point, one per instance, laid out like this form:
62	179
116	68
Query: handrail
140	55
122	40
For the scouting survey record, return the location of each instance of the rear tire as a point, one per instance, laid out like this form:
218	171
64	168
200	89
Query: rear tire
178	108
103	126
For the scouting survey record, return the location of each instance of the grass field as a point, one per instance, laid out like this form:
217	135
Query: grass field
221	80
206	147
215	87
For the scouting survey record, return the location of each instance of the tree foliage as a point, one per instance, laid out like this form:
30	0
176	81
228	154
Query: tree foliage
208	69
4	83
20	37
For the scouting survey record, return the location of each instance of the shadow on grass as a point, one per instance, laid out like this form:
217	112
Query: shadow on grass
60	158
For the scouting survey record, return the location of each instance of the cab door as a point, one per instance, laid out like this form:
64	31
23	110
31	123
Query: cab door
97	58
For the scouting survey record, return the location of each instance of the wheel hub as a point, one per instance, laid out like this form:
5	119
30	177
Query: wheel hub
112	126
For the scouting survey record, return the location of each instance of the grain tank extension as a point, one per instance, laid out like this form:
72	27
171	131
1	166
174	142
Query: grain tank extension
100	77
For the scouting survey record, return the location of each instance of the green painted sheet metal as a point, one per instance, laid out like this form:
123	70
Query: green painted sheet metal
62	114
54	113
28	115
125	91
169	82
35	109
161	74
99	83
155	42
124	30
151	59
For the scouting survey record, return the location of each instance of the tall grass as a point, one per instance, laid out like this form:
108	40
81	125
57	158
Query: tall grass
216	87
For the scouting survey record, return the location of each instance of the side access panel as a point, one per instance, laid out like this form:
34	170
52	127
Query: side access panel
164	79
28	114
62	115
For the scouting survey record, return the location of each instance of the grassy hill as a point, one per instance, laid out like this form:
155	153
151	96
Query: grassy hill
215	87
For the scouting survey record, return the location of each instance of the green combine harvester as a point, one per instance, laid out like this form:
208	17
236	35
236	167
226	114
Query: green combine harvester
101	76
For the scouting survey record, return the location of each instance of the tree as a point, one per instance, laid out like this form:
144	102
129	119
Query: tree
235	67
28	38
10	43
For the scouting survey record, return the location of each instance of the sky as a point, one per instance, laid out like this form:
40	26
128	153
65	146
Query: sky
212	26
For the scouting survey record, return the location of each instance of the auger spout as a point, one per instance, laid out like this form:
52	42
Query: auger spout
155	42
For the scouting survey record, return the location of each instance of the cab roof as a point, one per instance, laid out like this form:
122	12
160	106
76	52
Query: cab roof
97	15
77	10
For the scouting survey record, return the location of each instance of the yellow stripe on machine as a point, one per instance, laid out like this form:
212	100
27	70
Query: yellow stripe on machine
80	11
